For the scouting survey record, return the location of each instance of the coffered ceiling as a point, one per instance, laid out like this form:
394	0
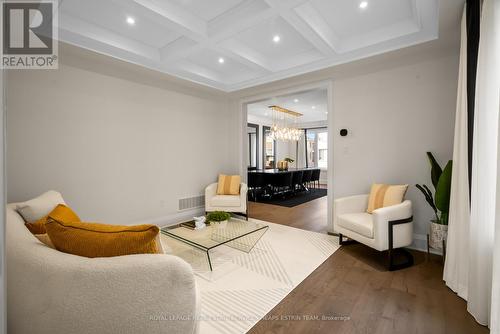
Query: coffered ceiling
235	44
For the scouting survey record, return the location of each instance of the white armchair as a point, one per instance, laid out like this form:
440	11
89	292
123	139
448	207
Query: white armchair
386	228
228	203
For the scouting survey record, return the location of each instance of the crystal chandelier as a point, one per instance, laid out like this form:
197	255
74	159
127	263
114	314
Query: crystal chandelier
285	124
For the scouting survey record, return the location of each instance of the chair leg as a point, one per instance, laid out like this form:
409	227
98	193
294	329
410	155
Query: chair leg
346	242
408	257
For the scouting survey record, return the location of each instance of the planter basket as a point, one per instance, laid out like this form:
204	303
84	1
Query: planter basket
437	234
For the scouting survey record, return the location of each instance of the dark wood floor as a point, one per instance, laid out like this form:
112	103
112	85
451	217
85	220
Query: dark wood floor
353	284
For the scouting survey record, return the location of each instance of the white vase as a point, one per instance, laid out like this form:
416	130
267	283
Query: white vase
437	233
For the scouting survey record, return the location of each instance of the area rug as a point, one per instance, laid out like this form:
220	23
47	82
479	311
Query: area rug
244	287
299	198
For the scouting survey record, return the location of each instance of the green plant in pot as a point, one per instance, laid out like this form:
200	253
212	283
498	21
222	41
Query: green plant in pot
439	202
218	217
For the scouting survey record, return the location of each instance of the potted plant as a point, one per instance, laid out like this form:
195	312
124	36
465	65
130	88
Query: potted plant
439	202
218	217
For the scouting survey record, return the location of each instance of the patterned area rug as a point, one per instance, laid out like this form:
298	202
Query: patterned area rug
244	287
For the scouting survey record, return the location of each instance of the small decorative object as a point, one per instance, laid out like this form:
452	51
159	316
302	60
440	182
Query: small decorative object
283	164
440	202
218	217
343	132
200	222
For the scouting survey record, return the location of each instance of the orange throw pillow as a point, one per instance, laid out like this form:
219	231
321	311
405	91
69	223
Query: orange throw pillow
102	240
60	212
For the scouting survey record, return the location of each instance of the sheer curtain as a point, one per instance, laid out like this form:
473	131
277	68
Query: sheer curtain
484	171
491	71
457	261
472	266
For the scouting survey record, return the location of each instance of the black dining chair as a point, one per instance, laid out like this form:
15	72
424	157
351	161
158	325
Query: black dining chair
315	177
297	180
255	183
282	183
306	178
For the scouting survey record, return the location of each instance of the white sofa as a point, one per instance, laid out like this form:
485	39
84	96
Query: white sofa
385	229
50	292
228	203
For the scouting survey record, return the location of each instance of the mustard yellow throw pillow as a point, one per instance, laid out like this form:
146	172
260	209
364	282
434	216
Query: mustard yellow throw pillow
382	195
228	185
101	240
60	212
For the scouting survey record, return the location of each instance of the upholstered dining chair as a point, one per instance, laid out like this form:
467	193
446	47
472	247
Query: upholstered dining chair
228	203
385	229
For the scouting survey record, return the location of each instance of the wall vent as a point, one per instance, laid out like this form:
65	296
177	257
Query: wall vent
191	202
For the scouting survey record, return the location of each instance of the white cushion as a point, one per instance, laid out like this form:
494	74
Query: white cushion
361	223
226	200
40	206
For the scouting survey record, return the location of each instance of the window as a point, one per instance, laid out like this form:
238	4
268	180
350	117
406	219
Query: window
253	135
269	148
317	147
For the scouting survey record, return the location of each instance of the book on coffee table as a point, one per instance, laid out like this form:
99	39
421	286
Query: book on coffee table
190	224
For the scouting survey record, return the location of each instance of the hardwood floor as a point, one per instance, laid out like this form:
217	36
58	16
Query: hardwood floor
354	284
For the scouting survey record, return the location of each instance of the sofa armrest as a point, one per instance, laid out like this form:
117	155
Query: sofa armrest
153	293
243	196
403	234
210	191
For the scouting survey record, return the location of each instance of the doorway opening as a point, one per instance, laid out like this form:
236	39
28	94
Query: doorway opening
288	158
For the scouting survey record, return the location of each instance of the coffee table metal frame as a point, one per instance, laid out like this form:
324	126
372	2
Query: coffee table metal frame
192	243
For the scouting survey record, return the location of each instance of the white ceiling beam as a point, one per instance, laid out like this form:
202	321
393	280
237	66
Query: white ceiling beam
244	54
302	16
235	21
181	20
101	35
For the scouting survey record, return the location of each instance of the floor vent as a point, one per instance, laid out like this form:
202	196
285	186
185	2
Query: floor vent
192	202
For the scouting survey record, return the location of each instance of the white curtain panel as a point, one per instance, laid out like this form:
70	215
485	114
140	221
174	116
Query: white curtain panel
456	269
491	10
484	171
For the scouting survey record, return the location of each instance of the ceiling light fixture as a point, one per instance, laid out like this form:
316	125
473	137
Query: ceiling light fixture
285	124
296	100
313	107
130	20
276	38
363	4
221	60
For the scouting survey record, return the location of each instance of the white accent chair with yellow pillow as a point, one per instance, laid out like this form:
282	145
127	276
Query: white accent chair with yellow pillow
229	195
381	220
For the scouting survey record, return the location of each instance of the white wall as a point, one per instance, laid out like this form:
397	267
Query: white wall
119	151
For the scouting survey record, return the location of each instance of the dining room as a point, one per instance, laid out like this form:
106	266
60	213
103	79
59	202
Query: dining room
288	156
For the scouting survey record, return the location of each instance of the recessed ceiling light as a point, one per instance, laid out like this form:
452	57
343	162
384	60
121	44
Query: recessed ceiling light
130	20
313	107
326	112
276	38
363	4
296	100
221	60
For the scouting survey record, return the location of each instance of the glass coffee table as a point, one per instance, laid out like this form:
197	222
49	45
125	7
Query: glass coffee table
236	233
